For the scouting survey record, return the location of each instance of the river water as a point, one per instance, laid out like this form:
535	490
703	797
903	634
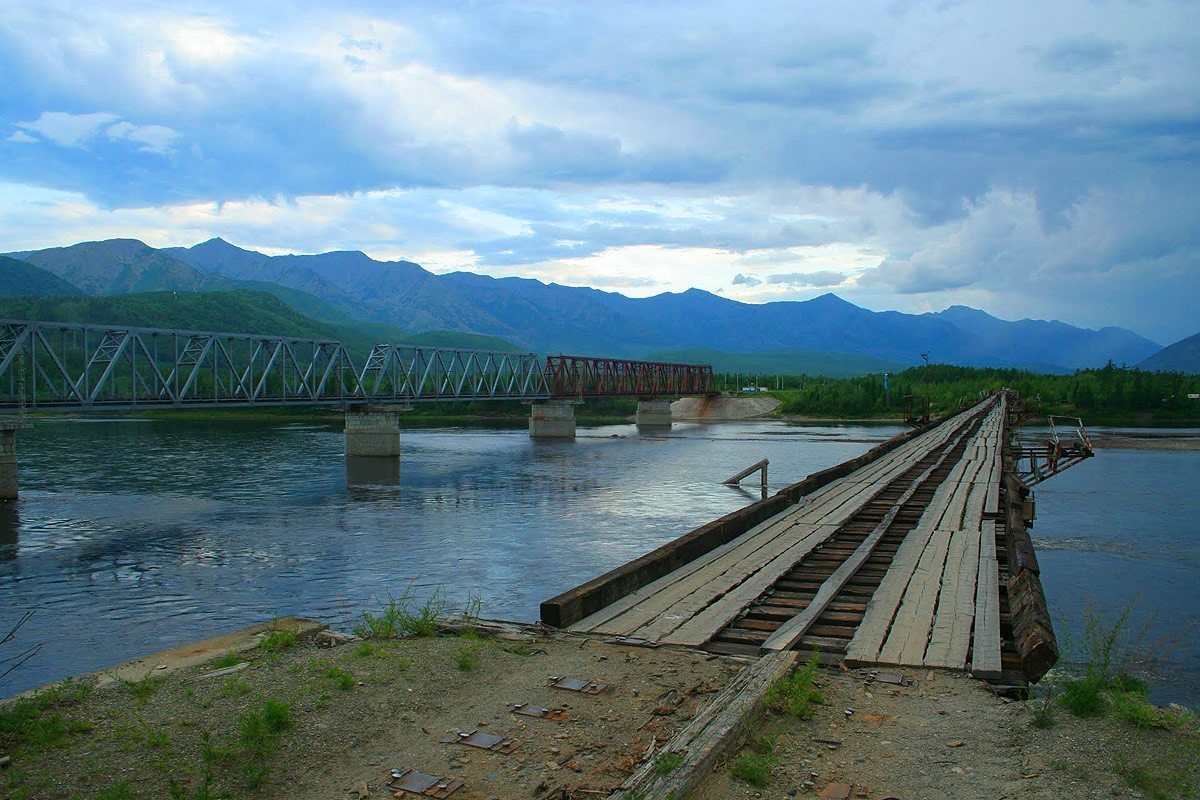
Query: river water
134	536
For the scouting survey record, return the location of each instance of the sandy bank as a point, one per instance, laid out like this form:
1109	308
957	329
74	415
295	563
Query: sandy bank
717	409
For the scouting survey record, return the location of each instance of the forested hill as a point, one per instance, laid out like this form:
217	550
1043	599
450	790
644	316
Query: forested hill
227	312
1183	356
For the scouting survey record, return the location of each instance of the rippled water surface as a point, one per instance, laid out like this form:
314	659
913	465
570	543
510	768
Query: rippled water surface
1120	531
133	536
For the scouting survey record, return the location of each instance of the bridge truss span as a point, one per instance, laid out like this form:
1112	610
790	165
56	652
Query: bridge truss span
50	365
582	376
74	367
418	374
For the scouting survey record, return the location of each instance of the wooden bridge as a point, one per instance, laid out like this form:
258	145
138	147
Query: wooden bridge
915	554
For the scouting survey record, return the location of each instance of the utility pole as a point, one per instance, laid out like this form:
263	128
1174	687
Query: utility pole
925	356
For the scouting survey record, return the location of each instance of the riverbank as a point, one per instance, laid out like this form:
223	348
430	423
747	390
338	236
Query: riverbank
278	715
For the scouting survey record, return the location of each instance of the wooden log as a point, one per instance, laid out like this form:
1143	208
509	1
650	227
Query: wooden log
717	731
1033	632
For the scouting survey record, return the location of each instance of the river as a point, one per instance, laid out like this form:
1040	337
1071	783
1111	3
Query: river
136	535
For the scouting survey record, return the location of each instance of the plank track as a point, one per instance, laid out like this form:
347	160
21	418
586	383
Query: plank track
926	579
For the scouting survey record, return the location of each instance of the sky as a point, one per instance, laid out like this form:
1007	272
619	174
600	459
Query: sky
1030	159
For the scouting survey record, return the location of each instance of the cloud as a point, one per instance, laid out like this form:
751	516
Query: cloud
152	138
824	278
745	280
67	130
1079	55
926	153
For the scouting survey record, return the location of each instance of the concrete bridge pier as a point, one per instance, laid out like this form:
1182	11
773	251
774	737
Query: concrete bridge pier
373	431
552	419
653	413
8	460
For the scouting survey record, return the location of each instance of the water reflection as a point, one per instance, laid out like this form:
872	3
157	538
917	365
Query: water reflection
367	471
10	524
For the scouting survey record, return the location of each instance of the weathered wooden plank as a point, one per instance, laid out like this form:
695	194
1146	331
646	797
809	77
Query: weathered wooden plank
724	608
883	605
910	631
757	537
950	639
985	638
657	620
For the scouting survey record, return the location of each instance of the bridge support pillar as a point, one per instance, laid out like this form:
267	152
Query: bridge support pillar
653	413
552	419
8	460
373	431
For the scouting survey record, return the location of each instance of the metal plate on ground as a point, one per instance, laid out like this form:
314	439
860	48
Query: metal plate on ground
576	684
409	780
484	741
525	709
892	678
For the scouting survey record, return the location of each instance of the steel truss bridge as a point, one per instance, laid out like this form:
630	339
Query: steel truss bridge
62	366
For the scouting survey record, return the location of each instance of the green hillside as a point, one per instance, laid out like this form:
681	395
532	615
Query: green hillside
226	312
18	279
782	362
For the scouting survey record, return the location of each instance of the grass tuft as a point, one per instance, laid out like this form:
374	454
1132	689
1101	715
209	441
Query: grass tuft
403	617
795	694
467	659
754	769
279	639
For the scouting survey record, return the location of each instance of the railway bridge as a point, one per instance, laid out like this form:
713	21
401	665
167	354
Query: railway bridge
65	367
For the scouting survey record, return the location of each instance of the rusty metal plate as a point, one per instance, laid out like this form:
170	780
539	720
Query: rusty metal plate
892	678
482	740
409	780
838	791
556	714
576	684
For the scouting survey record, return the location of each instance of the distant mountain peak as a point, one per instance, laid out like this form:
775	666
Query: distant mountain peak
830	299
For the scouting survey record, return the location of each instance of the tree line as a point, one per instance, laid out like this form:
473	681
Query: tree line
1105	393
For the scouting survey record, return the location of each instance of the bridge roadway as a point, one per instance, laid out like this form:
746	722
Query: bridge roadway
902	562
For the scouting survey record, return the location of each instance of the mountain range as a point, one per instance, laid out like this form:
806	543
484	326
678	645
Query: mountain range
349	286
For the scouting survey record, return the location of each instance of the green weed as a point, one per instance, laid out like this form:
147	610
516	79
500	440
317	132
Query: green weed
118	791
33	724
341	679
466	659
236	686
157	739
227	660
279	639
403	617
519	649
794	694
666	763
754	769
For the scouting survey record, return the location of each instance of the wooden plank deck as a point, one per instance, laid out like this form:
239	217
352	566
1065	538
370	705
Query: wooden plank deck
937	605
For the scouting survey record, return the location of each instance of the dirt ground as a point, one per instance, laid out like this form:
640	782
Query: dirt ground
947	737
359	711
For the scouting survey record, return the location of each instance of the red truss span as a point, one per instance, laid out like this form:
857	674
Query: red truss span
580	376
